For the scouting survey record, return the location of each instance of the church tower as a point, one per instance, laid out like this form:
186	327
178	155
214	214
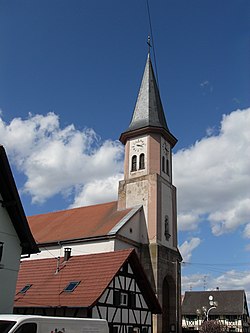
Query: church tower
148	182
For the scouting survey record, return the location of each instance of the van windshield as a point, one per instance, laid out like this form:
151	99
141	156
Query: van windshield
5	325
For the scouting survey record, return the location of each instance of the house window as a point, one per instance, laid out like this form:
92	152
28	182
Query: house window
120	298
134	163
71	286
123	299
142	161
114	329
25	288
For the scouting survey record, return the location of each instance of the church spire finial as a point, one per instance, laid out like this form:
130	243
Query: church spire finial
149	44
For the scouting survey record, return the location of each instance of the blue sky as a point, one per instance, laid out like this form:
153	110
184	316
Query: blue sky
69	77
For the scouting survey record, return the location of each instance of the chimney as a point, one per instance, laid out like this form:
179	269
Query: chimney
67	253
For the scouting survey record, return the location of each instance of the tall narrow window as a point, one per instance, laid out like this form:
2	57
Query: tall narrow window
163	163
134	162
167	167
1	250
142	161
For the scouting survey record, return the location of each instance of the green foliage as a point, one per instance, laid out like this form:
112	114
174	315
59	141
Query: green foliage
212	326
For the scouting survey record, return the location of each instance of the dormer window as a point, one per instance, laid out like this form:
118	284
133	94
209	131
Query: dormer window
134	163
142	161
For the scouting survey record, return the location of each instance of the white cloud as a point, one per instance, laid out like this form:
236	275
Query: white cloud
100	190
192	282
229	280
60	160
187	248
213	177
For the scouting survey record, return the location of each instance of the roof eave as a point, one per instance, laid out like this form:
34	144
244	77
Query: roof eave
147	130
12	203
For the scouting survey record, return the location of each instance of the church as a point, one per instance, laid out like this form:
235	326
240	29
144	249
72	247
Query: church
128	246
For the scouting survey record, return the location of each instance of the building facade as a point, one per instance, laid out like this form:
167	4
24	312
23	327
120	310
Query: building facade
143	218
229	307
15	236
109	285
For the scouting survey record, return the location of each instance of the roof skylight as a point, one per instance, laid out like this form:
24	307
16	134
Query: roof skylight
71	286
25	288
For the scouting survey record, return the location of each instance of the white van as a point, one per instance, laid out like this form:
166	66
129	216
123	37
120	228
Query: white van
43	324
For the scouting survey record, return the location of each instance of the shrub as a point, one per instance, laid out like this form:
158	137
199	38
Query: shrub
212	326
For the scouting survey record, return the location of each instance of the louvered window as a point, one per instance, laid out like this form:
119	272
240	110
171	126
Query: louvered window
134	163
142	161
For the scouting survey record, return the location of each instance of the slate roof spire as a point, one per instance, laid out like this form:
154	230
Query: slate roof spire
148	113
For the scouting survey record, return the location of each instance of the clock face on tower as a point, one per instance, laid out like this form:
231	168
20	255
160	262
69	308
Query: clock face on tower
138	145
165	148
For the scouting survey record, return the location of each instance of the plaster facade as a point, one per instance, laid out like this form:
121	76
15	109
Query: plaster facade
10	261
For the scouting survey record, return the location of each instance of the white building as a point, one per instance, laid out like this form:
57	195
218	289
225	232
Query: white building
15	236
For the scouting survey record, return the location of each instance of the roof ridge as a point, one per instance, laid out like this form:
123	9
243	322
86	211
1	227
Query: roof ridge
75	208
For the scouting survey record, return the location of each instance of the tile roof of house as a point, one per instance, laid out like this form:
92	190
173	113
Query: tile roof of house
76	223
95	271
230	302
11	201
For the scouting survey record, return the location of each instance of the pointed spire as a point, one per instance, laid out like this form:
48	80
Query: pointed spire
148	113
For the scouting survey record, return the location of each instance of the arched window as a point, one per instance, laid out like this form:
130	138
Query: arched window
163	163
167	167
142	161
134	163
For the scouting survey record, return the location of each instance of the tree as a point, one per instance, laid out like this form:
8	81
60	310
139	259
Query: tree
212	326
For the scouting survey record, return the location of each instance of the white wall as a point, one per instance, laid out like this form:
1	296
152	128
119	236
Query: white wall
76	249
10	262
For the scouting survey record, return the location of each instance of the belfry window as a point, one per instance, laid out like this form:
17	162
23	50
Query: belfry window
142	161
134	163
167	167
163	163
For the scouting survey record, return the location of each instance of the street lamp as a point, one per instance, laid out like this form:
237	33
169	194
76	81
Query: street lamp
213	305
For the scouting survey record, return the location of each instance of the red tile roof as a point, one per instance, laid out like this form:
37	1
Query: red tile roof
76	223
95	271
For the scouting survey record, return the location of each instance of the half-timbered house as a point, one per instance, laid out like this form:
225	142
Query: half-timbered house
229	307
111	286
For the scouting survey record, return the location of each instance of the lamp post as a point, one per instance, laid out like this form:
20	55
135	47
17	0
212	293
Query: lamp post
212	305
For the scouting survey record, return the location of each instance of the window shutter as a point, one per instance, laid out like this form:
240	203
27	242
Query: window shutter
132	303
116	299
